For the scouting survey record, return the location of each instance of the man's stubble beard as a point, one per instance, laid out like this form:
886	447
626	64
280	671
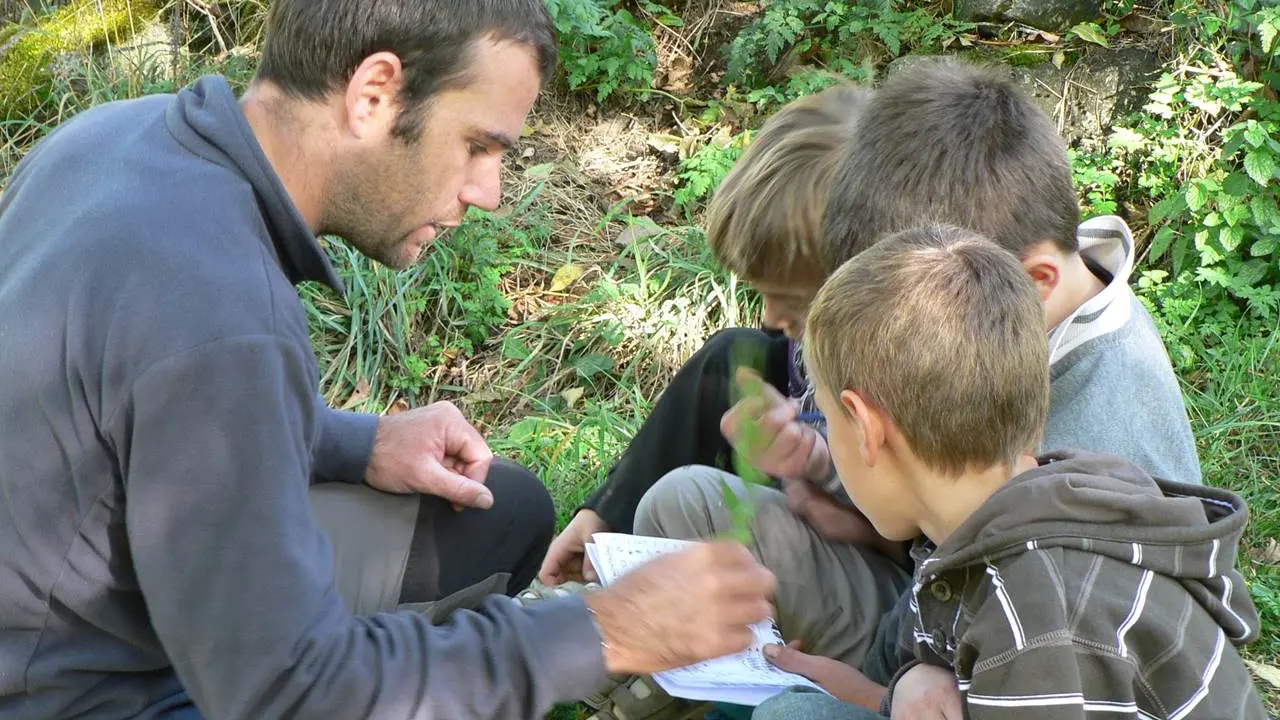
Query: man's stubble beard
362	194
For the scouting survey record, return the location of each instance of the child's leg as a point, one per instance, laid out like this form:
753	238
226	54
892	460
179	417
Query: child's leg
806	704
831	596
684	427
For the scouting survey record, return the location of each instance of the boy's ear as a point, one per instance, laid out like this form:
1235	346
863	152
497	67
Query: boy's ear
869	421
1044	265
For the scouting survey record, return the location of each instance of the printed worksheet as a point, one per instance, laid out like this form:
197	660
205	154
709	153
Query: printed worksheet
744	678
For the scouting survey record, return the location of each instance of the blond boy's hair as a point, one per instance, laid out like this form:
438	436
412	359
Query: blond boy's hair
944	331
765	220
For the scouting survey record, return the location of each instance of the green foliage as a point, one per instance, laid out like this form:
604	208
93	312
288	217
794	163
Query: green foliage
833	33
1206	152
603	46
702	172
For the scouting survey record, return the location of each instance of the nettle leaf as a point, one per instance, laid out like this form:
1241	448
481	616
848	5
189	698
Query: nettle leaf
1266	211
1264	247
1091	32
1196	196
589	366
1163	239
1261	166
1169	207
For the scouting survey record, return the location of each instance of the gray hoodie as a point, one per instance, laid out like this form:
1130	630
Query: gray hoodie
1084	587
161	428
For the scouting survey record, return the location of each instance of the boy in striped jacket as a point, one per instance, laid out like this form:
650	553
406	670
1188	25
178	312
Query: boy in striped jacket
1071	585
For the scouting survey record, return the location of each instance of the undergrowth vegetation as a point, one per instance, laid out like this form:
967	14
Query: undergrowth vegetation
555	322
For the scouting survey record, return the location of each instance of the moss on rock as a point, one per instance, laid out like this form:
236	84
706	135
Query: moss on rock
27	55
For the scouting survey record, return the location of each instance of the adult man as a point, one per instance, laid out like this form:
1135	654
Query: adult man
162	555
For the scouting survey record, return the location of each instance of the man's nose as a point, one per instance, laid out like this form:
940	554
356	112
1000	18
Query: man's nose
484	188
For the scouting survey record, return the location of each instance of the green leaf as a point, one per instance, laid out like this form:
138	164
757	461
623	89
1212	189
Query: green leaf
1091	32
589	366
1168	208
1264	247
1266	213
1160	245
1230	238
1268	31
1196	197
1254	134
1261	166
1213	219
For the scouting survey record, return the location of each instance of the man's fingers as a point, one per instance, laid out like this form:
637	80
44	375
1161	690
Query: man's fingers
459	489
589	570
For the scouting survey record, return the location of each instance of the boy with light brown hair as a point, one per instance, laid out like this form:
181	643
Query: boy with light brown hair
1066	585
765	226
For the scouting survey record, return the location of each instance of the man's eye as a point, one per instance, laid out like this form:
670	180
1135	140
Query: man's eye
478	149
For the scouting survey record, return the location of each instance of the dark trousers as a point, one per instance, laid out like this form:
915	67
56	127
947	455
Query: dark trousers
684	427
416	550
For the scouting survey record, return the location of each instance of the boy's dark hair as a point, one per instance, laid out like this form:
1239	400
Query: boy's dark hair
943	330
312	47
952	143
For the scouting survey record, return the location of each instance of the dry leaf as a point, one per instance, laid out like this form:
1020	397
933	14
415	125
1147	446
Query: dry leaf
1269	673
665	143
397	407
359	396
1268	555
528	153
567	275
1049	37
483	396
1059	58
677	80
572	396
642	228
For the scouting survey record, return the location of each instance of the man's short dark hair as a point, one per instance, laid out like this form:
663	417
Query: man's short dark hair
947	142
313	47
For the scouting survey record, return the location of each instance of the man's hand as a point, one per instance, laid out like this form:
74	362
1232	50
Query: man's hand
927	692
784	447
832	520
567	558
843	681
682	608
431	450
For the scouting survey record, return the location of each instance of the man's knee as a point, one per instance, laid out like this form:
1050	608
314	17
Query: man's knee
520	495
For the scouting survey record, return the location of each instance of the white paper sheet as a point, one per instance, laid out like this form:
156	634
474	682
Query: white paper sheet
744	678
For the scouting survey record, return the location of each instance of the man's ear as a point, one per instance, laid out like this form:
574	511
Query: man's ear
373	96
870	422
1044	264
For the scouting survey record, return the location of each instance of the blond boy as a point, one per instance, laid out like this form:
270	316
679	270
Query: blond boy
1067	586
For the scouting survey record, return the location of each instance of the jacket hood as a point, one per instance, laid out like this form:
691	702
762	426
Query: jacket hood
1108	506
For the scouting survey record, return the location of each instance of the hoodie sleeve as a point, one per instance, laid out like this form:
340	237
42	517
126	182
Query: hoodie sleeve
215	447
1052	680
345	444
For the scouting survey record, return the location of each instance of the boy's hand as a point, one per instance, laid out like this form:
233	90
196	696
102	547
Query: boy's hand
843	681
927	692
832	520
567	557
783	446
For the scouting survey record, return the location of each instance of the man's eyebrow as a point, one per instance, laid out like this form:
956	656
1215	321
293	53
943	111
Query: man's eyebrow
501	139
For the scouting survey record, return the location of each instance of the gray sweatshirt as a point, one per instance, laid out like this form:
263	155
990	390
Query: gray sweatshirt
1112	388
161	426
1083	588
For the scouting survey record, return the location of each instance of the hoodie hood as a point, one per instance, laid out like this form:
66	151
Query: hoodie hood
206	118
1108	506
